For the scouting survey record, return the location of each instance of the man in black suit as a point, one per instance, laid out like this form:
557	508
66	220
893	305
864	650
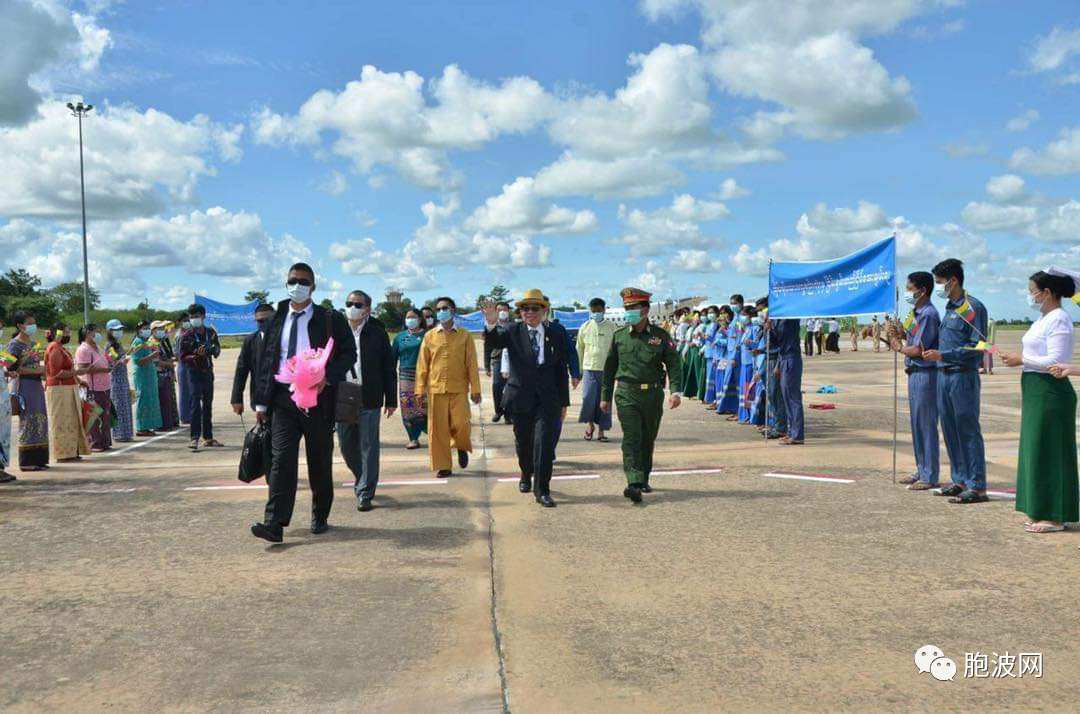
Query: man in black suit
538	389
376	373
248	363
297	325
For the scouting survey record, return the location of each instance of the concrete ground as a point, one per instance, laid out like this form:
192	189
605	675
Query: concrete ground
131	583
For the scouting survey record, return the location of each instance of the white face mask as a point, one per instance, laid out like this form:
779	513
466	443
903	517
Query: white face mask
196	322
1033	303
186	325
144	333
355	313
943	291
909	298
504	315
159	334
118	334
298	292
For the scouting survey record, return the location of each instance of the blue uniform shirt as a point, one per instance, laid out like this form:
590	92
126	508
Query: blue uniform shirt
957	334
786	333
925	334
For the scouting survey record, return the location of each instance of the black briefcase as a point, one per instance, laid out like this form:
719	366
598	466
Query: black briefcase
256	455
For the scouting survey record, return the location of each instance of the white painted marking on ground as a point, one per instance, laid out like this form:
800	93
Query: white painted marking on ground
800	477
404	482
563	477
237	487
151	440
91	490
1002	494
687	472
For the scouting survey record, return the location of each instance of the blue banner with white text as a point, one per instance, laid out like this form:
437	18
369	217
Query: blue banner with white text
229	319
863	283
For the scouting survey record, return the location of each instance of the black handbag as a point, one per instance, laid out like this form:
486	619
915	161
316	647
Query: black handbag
349	401
256	455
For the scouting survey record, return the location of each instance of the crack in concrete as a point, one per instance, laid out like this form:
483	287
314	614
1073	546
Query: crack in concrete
495	631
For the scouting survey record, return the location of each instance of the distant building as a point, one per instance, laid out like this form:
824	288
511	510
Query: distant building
665	309
394	296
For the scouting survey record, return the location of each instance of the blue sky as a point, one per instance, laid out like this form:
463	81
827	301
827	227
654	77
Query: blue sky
442	147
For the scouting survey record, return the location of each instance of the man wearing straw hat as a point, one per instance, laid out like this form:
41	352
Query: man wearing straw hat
641	360
538	389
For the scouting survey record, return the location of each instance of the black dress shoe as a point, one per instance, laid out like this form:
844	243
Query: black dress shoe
266	531
495	419
646	488
525	485
463	459
633	492
544	499
319	525
365	505
443	473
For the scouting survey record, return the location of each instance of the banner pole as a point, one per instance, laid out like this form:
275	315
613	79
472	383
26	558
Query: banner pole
768	331
896	378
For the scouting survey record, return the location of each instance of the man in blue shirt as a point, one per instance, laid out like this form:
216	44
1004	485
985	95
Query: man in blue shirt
791	368
964	325
918	333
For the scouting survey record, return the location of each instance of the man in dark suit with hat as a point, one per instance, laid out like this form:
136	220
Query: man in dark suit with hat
538	388
642	358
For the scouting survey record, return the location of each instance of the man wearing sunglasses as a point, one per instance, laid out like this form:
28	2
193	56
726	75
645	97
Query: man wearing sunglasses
448	374
538	389
299	324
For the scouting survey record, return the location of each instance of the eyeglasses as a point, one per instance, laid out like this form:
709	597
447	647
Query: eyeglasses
299	281
354	304
531	308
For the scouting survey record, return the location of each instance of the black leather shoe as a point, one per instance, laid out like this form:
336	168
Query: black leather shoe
525	485
463	459
319	525
633	492
544	499
444	473
365	505
266	531
495	419
646	488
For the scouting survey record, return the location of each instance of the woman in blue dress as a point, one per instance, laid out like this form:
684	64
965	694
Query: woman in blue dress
747	345
727	391
148	404
123	427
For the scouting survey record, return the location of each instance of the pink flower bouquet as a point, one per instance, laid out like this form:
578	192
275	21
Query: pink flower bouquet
304	373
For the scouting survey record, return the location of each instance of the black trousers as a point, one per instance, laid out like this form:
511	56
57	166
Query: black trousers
288	425
498	385
535	435
808	343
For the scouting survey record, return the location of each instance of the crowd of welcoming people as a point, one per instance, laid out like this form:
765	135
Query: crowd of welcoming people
732	358
107	390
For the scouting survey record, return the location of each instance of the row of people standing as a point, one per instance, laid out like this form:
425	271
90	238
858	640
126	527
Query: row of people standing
735	360
70	405
943	356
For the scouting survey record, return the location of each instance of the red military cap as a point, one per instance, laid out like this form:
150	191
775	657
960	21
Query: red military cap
634	296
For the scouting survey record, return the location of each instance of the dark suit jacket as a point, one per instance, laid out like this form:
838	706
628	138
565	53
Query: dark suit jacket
341	361
378	366
531	385
247	366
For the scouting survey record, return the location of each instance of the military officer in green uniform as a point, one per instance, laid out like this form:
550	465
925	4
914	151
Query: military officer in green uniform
640	356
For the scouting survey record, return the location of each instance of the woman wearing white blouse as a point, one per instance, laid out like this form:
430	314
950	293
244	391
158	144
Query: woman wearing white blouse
1046	476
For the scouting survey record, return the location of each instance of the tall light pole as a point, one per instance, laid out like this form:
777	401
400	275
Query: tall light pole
79	111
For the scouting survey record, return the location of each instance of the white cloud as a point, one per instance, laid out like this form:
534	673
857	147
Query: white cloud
1052	51
136	162
994	217
334	184
696	261
385	119
654	280
729	190
811	63
32	39
1008	188
625	177
748	261
1057	158
518	209
363	257
1022	122
649	233
1060	223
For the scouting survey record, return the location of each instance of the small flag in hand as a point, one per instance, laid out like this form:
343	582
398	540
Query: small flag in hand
966	311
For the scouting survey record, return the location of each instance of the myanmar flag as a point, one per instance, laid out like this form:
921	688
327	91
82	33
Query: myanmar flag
966	311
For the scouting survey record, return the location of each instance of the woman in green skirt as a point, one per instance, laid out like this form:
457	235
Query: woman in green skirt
1046	475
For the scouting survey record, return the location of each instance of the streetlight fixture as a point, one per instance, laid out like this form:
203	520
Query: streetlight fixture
80	110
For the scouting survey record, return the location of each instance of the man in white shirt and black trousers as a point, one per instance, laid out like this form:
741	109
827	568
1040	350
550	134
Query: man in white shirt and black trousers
298	325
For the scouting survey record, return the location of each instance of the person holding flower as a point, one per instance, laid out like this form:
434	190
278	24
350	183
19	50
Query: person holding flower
144	376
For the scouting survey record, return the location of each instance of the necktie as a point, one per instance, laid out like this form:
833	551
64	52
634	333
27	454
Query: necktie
534	337
292	334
